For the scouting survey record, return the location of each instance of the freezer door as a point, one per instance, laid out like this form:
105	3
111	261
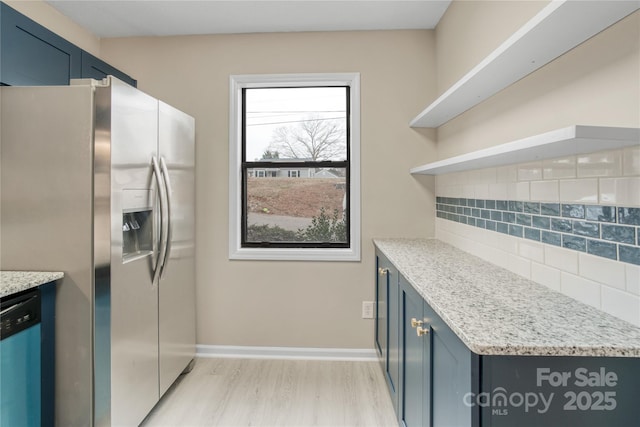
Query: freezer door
127	302
177	282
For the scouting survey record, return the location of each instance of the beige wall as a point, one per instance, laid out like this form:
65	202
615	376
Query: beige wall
596	83
49	17
472	29
305	304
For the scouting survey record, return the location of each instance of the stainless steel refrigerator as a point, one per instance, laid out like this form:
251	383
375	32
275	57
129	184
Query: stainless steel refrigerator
97	181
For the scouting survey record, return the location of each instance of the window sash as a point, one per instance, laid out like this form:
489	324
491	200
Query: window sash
267	163
281	165
273	165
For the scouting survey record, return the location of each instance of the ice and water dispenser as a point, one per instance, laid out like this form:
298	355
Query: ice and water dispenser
137	224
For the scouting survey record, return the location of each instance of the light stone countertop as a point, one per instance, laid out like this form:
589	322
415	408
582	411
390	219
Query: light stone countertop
12	282
496	312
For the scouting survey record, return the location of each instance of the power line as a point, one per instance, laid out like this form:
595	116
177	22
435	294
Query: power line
282	114
294	121
297	111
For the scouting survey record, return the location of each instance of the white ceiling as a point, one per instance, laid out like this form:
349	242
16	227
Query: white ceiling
163	18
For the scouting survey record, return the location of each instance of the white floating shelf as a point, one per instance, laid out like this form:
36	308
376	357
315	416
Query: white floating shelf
556	29
558	143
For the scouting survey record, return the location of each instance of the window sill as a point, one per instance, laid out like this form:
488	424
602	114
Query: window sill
295	254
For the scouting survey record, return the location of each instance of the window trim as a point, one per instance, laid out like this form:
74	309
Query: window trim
236	84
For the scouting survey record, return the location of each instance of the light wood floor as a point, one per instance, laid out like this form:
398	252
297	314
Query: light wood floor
276	393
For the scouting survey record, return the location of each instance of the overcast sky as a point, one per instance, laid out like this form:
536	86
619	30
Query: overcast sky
268	109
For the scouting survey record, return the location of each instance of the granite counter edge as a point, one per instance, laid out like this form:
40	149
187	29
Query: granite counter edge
12	282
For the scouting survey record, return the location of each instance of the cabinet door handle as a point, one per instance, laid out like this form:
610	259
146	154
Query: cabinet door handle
383	271
415	322
420	331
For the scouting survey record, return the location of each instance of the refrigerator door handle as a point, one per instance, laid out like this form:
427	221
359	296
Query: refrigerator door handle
162	247
168	237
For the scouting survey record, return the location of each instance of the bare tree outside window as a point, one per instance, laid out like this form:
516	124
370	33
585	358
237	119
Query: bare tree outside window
313	138
269	155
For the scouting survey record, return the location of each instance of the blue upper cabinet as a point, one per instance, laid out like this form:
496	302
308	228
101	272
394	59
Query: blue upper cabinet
96	68
32	55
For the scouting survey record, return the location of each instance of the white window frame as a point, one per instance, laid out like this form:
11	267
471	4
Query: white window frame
239	82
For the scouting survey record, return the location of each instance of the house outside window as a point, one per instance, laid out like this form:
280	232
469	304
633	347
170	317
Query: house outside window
294	167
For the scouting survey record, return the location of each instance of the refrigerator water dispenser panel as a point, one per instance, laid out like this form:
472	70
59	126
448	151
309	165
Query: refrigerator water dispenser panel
137	224
137	234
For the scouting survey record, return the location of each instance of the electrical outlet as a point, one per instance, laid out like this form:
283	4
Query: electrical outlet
367	309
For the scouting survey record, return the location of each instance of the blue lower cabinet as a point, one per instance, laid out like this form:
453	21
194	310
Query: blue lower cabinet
452	374
386	334
436	367
436	381
48	353
532	391
380	325
415	338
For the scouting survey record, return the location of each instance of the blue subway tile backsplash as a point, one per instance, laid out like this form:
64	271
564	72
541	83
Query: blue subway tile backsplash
559	224
515	230
630	254
550	209
532	207
618	233
629	216
603	249
551	238
584	228
532	234
541	222
574	242
501	227
605	231
573	211
523	219
601	213
516	206
509	217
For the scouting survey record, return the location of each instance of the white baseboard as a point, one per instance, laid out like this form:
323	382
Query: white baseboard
292	353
